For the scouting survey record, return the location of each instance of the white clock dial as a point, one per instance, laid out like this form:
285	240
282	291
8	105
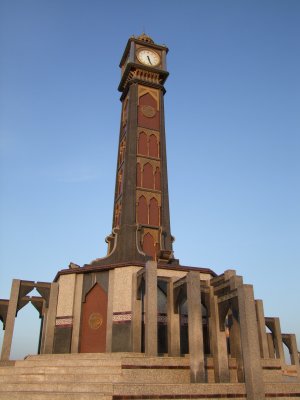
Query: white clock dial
148	57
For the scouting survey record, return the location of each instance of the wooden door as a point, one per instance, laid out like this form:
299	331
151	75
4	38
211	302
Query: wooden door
93	321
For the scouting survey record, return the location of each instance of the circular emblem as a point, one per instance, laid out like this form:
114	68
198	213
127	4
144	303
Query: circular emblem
95	320
148	111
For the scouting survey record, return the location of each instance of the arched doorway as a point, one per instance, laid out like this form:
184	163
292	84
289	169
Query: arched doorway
94	321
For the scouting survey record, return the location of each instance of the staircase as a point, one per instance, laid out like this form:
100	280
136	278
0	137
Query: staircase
117	376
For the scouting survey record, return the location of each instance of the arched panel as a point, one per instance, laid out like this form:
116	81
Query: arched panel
93	324
157	184
142	211
138	175
148	245
148	114
143	144
153	146
148	177
153	212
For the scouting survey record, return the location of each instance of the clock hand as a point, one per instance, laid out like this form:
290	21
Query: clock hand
149	60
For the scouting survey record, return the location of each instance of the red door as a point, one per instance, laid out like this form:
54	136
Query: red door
93	321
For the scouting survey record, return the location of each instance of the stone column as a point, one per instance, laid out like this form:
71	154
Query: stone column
278	340
10	319
218	343
250	343
262	334
51	317
77	313
294	350
109	321
136	321
173	322
43	317
271	345
151	308
195	327
235	343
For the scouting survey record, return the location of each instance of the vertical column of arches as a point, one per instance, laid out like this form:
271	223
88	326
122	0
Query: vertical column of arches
120	181
117	215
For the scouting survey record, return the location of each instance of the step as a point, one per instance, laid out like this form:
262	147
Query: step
116	355
135	391
70	378
155	376
53	396
156	362
103	388
60	370
75	362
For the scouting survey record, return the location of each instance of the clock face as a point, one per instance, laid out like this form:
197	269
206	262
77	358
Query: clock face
148	57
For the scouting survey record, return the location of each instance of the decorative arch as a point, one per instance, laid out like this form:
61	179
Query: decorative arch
153	146
149	245
138	175
143	144
148	177
142	211
153	212
157	184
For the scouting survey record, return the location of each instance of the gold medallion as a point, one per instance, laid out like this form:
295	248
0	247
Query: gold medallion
148	111
95	320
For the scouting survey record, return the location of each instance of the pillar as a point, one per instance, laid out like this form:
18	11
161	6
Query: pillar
136	320
109	321
235	342
77	313
10	319
278	340
262	334
173	322
250	343
51	318
151	308
293	350
196	349
218	342
271	345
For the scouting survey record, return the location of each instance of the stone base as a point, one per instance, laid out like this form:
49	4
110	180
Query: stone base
118	376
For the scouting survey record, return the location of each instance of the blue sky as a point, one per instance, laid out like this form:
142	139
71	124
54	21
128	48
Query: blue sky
233	138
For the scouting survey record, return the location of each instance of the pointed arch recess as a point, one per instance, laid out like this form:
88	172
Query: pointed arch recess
148	177
153	146
153	212
143	144
149	245
94	320
142	211
157	184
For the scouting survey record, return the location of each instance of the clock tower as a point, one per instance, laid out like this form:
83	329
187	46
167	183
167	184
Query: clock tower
141	219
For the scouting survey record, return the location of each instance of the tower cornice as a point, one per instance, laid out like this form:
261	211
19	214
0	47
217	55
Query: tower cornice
147	75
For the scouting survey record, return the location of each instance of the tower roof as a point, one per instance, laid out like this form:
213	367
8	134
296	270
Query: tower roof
145	38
